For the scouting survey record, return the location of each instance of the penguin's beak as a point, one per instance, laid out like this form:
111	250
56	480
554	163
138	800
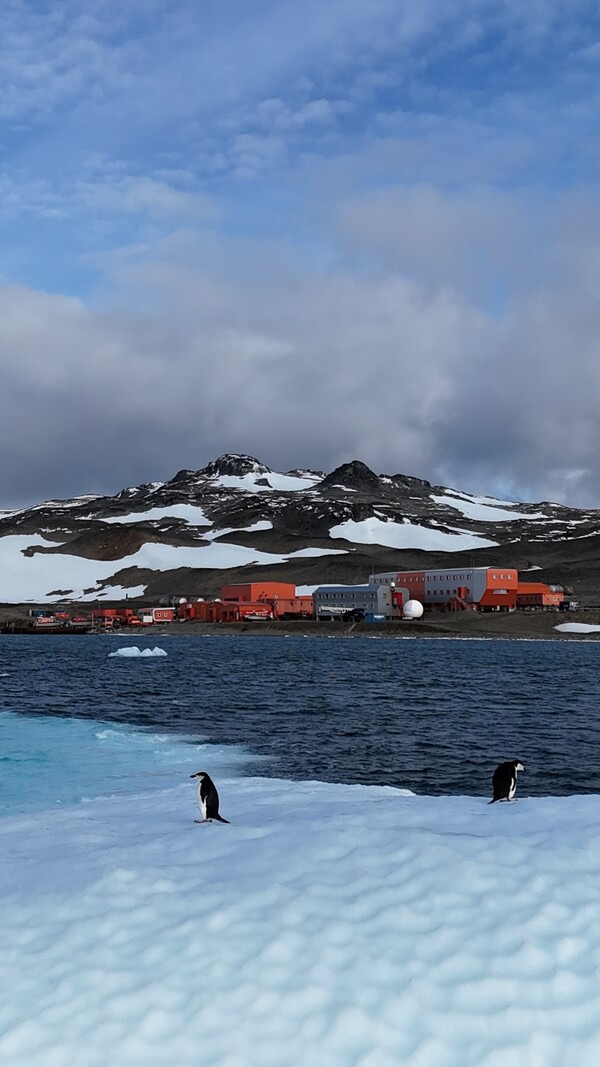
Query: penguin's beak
193	775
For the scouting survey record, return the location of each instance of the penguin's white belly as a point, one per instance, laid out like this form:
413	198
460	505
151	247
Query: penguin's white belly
201	804
512	789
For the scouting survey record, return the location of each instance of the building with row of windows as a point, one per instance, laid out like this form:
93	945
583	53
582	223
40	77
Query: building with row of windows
375	602
486	588
482	588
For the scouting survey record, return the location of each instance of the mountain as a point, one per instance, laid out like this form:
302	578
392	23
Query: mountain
236	519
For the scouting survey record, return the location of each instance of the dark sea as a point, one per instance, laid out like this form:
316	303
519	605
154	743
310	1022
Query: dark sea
434	716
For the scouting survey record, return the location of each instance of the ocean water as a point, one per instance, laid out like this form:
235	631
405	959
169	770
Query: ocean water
432	716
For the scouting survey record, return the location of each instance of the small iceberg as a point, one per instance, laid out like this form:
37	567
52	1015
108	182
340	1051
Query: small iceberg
135	652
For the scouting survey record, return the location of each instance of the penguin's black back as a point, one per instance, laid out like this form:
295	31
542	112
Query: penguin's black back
502	779
210	798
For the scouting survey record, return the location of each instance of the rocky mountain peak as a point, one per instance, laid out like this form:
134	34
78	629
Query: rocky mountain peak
234	464
353	475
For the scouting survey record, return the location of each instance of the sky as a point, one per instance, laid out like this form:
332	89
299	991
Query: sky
307	230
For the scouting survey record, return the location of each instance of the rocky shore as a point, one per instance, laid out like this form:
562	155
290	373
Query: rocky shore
518	625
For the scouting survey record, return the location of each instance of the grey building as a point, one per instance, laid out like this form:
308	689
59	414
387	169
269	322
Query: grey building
377	602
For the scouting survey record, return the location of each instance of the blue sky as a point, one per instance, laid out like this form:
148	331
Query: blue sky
312	230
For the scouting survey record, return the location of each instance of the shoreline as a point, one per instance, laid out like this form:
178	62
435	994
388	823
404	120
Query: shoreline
534	626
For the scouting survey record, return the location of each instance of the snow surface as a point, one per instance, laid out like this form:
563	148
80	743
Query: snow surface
133	652
189	512
577	628
485	512
281	483
375	531
492	501
193	515
33	578
114	592
345	926
259	525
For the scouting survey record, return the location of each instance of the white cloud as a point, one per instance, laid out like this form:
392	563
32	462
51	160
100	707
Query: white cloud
405	272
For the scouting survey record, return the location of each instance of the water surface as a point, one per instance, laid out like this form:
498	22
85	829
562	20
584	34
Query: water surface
434	716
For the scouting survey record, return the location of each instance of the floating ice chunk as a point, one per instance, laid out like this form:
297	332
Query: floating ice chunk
135	652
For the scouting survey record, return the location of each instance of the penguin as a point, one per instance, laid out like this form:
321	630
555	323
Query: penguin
504	781
208	798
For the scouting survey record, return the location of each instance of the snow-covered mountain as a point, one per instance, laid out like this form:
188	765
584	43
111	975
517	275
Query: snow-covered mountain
235	519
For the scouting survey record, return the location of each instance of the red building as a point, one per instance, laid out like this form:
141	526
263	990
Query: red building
256	591
539	595
238	610
296	607
200	610
112	618
252	600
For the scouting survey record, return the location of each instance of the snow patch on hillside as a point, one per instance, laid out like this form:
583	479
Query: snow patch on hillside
281	483
390	534
190	513
37	577
485	512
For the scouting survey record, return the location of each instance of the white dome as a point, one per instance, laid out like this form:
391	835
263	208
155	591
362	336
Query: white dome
413	609
182	600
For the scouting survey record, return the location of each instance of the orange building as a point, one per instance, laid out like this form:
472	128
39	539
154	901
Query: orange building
255	591
301	607
539	595
252	600
238	610
200	610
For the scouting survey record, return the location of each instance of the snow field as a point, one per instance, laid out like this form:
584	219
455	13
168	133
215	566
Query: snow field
375	531
485	509
342	925
35	578
577	628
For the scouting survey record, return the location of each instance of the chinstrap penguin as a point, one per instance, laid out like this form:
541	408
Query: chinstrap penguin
208	798
504	781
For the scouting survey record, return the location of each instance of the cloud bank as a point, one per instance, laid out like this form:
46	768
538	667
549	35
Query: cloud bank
307	231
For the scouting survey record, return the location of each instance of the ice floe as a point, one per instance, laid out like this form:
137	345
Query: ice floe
340	925
133	652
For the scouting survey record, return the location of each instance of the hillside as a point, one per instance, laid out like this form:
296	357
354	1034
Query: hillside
235	519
